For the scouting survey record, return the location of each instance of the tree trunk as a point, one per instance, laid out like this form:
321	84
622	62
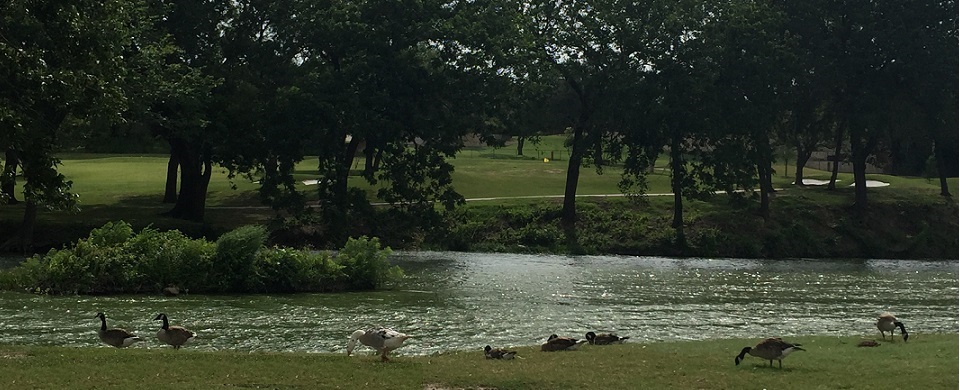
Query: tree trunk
676	183
368	152
939	154
520	142
343	173
764	173
803	155
858	158
8	180
765	166
377	160
28	226
860	181
170	190
569	213
837	148
195	172
270	183
22	241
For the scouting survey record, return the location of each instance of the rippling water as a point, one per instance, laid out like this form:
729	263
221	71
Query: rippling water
463	301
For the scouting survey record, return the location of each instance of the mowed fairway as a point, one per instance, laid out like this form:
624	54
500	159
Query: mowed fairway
925	362
138	180
486	172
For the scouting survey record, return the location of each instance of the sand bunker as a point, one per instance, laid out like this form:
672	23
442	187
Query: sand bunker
815	182
874	183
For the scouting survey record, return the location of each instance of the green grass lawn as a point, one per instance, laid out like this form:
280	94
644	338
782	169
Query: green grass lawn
925	362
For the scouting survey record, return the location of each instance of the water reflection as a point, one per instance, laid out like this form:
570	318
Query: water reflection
457	301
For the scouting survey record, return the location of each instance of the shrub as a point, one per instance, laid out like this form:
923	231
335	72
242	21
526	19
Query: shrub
540	235
235	256
365	263
115	260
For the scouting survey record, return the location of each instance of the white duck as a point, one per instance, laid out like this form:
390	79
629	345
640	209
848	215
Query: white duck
383	340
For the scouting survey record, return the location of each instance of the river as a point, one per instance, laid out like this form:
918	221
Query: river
463	301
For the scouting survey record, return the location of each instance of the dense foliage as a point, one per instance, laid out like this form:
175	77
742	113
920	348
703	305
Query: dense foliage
115	259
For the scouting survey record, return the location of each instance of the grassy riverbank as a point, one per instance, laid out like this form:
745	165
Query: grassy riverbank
927	361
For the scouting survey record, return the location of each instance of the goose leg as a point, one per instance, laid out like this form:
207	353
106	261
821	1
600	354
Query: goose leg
383	357
779	362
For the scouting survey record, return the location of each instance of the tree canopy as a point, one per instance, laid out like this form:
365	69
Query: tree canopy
255	87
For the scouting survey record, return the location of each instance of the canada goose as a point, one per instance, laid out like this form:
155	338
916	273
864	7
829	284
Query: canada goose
173	335
770	349
557	343
887	323
383	340
116	337
605	338
498	353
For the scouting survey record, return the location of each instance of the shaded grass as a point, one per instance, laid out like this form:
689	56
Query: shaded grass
927	362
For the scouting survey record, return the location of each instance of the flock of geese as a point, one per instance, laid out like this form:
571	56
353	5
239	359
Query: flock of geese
385	340
776	349
176	336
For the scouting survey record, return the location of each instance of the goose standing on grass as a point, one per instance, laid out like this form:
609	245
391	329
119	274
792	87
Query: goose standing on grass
557	343
173	335
605	338
383	340
498	353
116	337
887	323
770	349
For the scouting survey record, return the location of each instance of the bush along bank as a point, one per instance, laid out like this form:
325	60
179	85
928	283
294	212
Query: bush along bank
798	227
114	259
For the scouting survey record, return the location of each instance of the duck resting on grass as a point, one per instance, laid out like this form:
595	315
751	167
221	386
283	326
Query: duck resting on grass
498	353
120	338
770	349
887	323
605	338
383	340
557	343
173	335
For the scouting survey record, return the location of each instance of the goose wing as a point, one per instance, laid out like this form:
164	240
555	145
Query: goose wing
179	334
562	342
606	338
388	338
117	333
774	348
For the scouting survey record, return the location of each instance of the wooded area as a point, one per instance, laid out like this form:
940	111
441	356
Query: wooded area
255	86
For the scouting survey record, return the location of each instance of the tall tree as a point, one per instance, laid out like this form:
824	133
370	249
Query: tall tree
683	99
754	74
181	110
584	45
63	68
